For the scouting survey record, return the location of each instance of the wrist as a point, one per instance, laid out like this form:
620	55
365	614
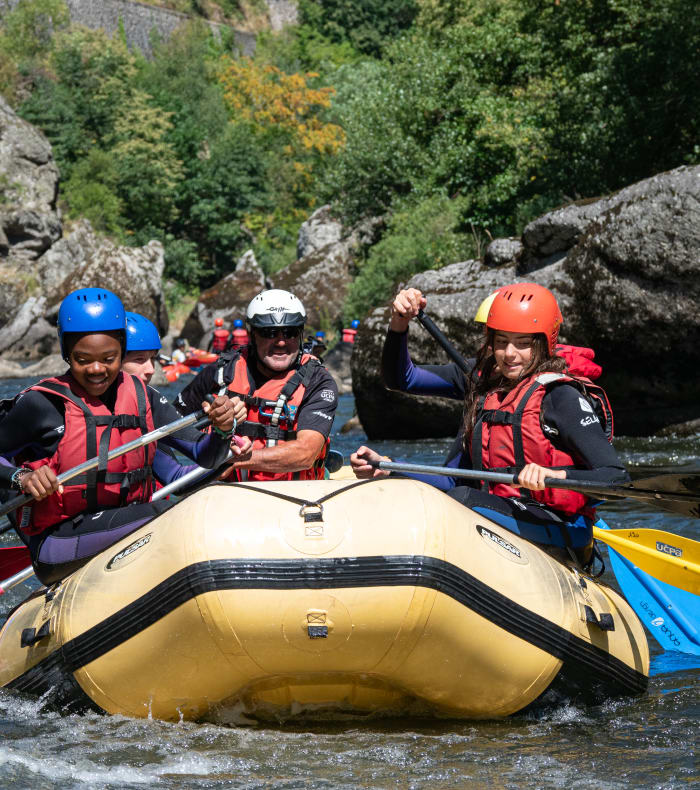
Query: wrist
18	476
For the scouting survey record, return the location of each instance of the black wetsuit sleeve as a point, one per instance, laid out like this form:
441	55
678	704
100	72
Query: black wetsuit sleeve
572	425
194	394
206	449
317	408
34	426
401	374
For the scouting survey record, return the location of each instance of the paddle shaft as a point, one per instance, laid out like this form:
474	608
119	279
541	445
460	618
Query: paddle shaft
437	333
198	419
584	486
191	477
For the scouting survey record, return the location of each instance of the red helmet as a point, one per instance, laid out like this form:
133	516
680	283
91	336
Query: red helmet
528	308
218	322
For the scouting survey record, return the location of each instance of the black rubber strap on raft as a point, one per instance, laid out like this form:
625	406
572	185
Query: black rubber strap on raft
297	500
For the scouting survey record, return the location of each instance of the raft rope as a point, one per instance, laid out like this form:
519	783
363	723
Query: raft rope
305	503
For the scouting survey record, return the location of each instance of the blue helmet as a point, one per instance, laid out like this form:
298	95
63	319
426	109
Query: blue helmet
238	324
354	323
320	334
90	310
141	334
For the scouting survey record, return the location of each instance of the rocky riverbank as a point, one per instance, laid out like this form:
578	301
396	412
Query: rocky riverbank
625	268
626	271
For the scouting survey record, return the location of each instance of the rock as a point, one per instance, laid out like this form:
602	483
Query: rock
626	273
337	361
52	365
319	230
28	189
133	273
320	280
322	276
228	299
690	428
66	255
32	310
502	251
353	425
636	274
83	260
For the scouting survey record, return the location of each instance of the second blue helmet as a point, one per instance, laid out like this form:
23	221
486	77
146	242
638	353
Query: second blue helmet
141	334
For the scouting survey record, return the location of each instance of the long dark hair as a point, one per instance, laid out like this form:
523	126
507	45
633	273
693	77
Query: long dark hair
486	378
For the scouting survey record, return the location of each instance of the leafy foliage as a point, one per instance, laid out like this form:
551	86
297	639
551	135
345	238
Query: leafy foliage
419	237
366	24
451	119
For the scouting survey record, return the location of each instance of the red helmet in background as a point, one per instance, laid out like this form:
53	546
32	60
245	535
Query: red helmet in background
218	322
528	308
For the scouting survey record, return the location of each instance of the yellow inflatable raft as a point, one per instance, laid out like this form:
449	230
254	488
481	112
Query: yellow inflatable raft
272	598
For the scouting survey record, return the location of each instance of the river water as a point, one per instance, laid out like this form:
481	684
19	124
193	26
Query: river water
647	742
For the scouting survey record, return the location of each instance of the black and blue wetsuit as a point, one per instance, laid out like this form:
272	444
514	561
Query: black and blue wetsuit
34	427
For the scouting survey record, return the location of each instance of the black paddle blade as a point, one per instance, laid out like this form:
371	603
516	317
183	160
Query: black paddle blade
678	493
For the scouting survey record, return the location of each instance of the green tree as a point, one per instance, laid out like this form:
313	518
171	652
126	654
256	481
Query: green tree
418	237
366	24
148	170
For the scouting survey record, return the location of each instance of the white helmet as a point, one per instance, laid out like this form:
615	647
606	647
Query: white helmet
275	308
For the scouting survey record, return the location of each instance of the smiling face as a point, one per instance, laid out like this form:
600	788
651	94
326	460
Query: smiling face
95	361
278	353
513	352
141	364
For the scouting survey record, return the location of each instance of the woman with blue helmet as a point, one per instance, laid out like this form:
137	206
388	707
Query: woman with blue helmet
142	347
60	422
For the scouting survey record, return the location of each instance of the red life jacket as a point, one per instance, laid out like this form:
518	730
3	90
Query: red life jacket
220	340
91	429
579	360
348	335
509	433
272	409
239	338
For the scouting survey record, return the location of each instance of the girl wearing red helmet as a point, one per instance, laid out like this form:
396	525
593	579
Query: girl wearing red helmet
523	414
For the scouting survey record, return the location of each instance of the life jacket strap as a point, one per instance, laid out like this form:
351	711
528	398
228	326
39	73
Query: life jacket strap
256	430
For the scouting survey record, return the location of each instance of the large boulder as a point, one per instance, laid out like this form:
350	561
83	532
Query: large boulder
626	272
81	260
227	299
29	221
322	273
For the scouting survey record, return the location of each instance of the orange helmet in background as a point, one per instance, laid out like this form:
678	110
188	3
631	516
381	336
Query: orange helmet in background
528	308
218	322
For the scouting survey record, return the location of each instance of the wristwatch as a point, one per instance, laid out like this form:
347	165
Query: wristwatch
16	479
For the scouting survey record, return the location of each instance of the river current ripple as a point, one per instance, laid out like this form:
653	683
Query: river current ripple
647	742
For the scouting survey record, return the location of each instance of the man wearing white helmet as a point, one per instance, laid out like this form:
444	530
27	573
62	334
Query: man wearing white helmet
291	397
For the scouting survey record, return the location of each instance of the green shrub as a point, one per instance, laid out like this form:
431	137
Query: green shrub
420	237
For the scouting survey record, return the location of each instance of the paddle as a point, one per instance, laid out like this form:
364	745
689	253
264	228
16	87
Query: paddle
198	419
14	559
670	615
646	489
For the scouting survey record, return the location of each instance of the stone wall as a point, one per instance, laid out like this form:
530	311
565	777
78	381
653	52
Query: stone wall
139	21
